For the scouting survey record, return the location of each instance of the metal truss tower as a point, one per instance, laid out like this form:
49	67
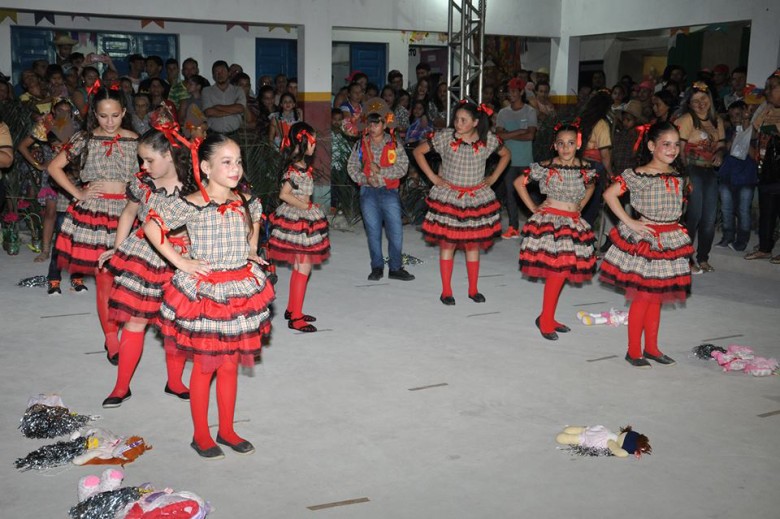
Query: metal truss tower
466	37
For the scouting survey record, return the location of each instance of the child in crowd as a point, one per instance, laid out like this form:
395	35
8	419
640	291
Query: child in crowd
649	256
108	160
281	120
300	230
463	210
140	274
556	244
216	306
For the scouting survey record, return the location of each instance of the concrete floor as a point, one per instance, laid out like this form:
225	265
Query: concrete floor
334	416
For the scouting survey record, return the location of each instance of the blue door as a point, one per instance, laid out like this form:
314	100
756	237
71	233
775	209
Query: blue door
275	56
371	59
28	45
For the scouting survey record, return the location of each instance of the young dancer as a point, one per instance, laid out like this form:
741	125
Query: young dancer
300	230
556	243
282	120
140	274
649	256
216	306
108	161
463	211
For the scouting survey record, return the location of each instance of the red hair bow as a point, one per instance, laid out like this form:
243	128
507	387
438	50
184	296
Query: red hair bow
285	143
194	145
94	88
485	109
309	137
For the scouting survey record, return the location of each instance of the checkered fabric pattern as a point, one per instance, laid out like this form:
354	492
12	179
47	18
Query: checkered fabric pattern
562	183
106	160
397	170
463	167
657	197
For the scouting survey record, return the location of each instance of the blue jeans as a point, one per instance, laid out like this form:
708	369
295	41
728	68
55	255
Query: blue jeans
702	209
381	206
735	201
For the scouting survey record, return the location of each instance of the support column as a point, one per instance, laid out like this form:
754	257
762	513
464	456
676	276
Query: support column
315	50
764	55
564	69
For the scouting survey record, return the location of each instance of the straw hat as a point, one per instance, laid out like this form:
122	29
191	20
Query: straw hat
634	108
376	105
64	39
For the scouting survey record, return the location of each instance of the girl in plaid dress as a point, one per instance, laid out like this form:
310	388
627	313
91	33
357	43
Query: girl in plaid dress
649	256
108	161
556	244
140	273
216	306
463	211
300	230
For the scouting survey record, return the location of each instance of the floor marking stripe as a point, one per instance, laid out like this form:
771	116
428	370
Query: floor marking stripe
338	503
486	313
371	285
64	315
428	387
771	413
588	304
724	337
602	358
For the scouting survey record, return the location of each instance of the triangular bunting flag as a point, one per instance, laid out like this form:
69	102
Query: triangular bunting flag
244	26
9	13
147	21
39	16
74	16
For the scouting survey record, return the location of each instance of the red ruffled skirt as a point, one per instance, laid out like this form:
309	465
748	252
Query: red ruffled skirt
224	314
462	217
87	231
557	243
140	276
652	268
298	234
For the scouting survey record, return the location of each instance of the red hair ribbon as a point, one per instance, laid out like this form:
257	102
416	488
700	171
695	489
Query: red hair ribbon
235	205
94	88
485	109
114	87
285	143
111	143
463	101
194	145
641	130
171	131
304	133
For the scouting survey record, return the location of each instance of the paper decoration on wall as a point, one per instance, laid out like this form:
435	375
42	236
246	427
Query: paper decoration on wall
286	28
443	37
244	26
9	13
417	36
39	16
74	16
147	21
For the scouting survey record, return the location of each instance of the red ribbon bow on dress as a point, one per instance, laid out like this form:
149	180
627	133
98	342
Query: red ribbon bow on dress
111	143
235	205
152	216
551	172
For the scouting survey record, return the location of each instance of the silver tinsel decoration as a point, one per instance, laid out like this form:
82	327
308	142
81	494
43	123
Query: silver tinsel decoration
704	351
407	259
43	421
54	455
579	450
105	504
35	281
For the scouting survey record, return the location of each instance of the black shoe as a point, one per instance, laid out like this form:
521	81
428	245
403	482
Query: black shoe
666	360
113	360
307	318
477	298
641	362
562	329
53	287
116	401
400	274
212	453
738	246
449	300
77	284
552	336
245	447
376	274
184	395
307	328
723	243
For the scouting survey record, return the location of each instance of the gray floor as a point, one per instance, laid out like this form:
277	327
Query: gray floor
334	416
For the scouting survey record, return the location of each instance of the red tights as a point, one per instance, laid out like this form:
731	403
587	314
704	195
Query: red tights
552	291
200	387
131	346
103	281
446	267
643	317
